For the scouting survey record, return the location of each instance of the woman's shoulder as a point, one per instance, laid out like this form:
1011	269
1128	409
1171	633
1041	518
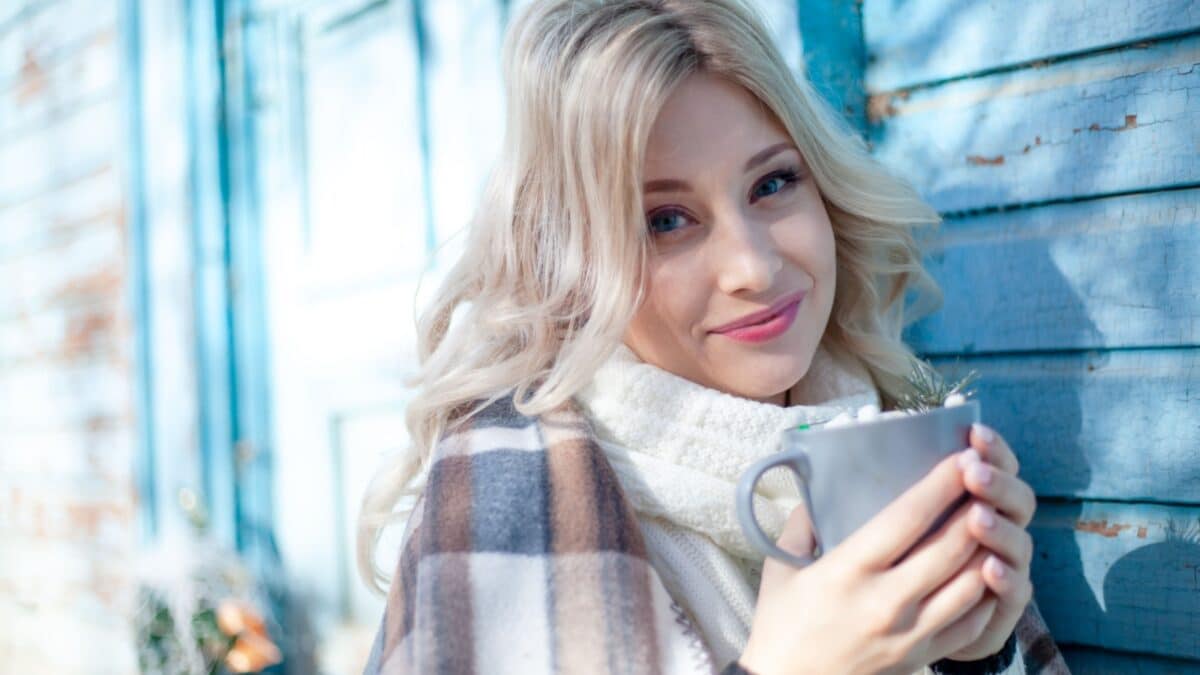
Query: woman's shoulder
498	430
525	542
506	481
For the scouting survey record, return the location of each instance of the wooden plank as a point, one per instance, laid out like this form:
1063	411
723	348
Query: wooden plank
1100	425
44	93
69	149
88	267
76	333
49	33
1095	661
159	275
1120	575
1115	122
51	218
99	452
833	54
1105	273
11	13
40	396
911	42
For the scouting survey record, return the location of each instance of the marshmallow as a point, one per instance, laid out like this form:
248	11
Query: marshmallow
955	399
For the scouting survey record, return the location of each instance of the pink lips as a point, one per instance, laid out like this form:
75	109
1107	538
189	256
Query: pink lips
766	324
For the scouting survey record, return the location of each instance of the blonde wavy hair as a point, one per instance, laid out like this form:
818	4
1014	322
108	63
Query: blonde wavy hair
553	266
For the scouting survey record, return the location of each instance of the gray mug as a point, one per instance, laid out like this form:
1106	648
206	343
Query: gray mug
846	475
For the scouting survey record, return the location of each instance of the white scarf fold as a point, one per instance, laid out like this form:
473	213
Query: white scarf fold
679	447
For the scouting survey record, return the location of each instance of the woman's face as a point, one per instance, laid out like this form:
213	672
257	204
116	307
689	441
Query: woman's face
738	228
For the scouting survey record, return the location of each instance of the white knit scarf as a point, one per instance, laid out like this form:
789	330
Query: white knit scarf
679	447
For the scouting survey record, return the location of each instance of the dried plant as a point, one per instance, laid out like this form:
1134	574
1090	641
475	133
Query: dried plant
929	389
197	606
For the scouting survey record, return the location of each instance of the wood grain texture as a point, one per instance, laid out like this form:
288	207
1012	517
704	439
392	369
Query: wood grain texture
66	334
53	218
1120	575
88	396
43	92
833	54
911	42
70	148
1079	309
49	32
1108	273
90	268
1115	122
1096	661
1100	424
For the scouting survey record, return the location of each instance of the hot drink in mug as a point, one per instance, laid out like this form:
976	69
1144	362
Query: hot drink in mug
848	473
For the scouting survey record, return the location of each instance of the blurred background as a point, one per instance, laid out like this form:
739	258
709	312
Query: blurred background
217	218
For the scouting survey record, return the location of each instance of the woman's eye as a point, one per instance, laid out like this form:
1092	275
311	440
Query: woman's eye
666	221
775	183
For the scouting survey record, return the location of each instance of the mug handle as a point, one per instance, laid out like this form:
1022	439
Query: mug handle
797	464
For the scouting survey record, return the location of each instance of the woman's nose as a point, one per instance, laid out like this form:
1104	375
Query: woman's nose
745	256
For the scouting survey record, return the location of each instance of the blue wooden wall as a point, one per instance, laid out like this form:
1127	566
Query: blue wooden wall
1061	142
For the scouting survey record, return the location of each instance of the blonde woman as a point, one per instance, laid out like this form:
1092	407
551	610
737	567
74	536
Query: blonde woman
680	253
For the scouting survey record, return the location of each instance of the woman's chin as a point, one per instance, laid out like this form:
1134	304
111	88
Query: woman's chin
764	384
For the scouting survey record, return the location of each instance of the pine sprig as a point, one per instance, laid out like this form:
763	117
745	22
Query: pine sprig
929	388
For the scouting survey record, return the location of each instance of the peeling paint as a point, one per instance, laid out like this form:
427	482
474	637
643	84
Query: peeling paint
979	160
31	79
1101	527
1023	84
105	282
89	332
880	107
1130	123
1037	140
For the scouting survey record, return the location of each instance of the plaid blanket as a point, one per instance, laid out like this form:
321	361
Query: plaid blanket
524	556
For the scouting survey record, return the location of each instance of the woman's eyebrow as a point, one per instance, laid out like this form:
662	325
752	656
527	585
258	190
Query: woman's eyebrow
676	185
764	155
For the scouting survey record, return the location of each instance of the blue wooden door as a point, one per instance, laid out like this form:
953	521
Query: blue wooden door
371	150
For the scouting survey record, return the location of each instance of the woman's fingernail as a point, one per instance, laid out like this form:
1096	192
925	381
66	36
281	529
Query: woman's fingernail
983	516
984	432
980	472
968	457
996	566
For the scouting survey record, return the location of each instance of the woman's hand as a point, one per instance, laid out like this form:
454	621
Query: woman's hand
860	608
992	477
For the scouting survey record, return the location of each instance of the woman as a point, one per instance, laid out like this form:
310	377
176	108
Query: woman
681	253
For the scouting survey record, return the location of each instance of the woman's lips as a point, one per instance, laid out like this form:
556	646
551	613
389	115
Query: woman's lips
770	327
763	314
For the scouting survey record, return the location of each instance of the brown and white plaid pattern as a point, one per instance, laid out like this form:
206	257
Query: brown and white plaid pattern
524	556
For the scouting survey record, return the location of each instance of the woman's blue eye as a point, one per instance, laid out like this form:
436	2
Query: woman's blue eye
663	221
669	220
778	181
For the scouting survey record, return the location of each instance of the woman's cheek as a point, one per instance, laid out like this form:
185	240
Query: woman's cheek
670	302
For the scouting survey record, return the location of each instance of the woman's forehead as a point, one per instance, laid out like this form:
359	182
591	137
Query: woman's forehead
707	117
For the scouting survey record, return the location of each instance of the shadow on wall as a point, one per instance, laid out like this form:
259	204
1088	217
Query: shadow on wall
1058	302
